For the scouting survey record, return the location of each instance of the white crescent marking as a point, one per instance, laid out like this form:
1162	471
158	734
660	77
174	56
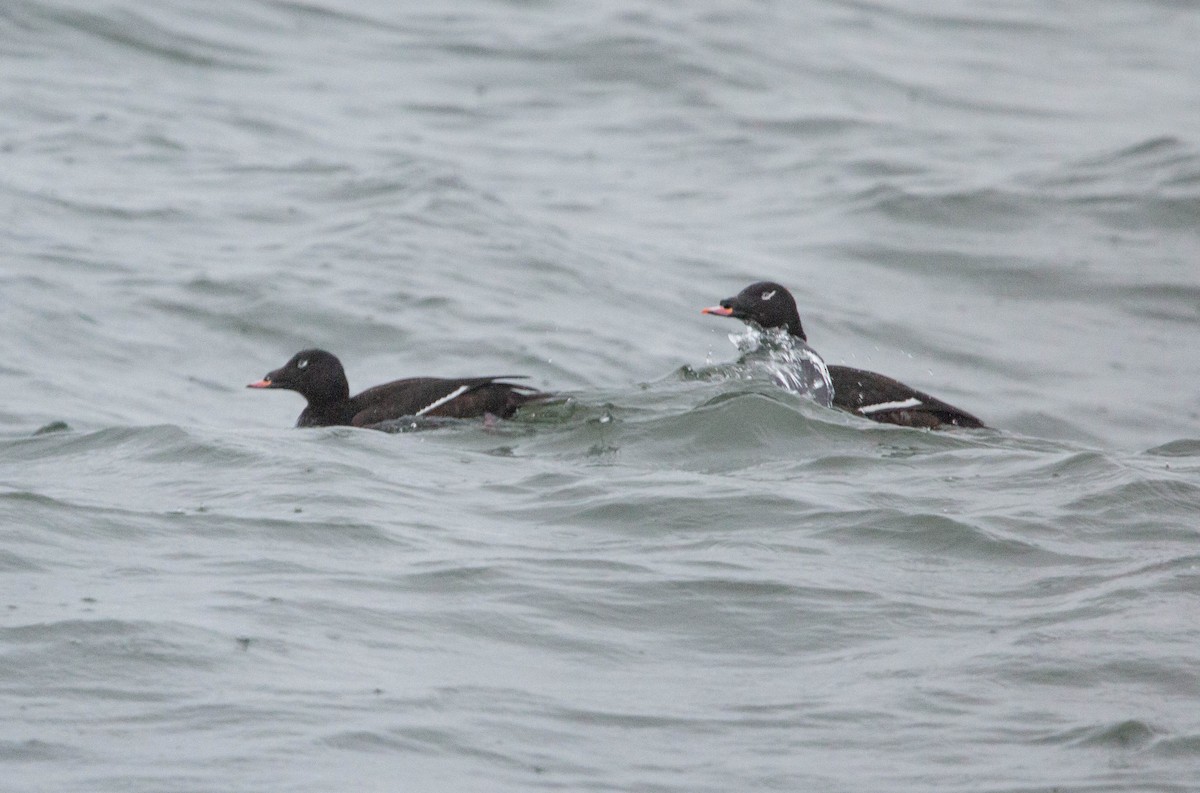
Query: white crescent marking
437	403
769	295
911	402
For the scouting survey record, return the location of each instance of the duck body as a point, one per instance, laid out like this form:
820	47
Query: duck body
880	398
319	377
871	395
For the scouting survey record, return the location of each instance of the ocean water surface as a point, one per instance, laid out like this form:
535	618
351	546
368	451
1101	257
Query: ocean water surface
675	575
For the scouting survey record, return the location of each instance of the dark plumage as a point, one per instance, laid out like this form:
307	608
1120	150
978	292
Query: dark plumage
868	394
318	376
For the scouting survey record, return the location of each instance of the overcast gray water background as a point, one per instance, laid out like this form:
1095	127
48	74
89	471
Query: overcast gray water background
663	581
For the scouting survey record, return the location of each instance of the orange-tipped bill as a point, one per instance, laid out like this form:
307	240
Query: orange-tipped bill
264	383
720	311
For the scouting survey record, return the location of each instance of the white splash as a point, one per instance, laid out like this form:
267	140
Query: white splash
785	359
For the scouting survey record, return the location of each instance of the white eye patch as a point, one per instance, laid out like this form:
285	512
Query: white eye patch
769	295
302	364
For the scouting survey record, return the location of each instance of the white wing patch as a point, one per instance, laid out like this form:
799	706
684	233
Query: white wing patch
911	402
437	403
768	295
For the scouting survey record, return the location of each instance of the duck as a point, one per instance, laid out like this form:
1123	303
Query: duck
768	305
319	377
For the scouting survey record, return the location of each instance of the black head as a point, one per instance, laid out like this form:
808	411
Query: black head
316	374
766	304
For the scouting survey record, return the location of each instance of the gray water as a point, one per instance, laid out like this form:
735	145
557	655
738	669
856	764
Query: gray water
666	579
